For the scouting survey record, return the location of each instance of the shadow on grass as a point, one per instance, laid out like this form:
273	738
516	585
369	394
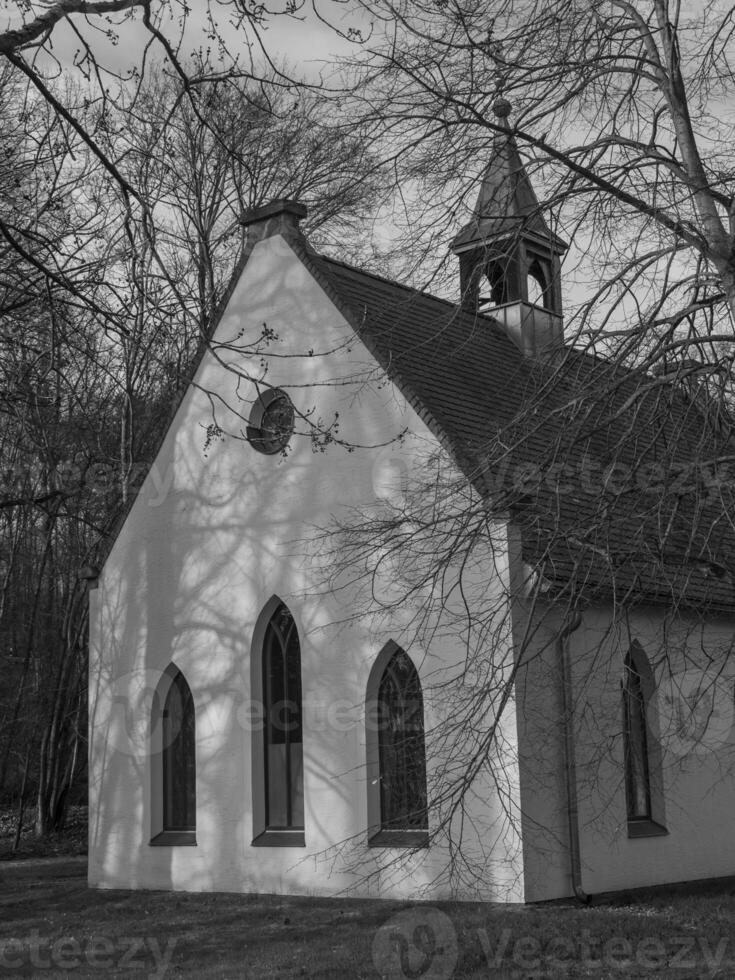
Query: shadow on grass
52	925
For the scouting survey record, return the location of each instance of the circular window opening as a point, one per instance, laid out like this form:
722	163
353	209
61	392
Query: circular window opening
271	422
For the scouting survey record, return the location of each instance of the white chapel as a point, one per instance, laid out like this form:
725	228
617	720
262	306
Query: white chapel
262	722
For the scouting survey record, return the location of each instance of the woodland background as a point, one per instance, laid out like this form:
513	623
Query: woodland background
126	167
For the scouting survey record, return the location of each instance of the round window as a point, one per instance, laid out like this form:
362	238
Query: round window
271	422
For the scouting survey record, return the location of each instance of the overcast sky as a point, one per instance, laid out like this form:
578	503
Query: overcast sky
305	42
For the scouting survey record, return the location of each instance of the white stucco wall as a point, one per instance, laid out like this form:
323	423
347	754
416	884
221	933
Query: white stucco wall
697	764
209	540
544	820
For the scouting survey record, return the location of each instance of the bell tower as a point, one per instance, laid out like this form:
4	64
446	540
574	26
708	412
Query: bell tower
508	256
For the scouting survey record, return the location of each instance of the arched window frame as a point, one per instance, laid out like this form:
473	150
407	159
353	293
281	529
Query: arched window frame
643	771
173	763
540	272
496	276
265	831
415	832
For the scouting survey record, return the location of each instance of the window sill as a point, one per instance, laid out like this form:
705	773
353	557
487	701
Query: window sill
646	828
175	838
280	838
400	838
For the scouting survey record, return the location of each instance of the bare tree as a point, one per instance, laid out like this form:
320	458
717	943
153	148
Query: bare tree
86	386
612	457
616	111
117	45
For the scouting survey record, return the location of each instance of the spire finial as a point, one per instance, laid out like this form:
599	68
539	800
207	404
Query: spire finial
501	107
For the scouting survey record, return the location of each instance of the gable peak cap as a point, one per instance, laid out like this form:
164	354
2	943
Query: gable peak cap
282	205
277	218
280	217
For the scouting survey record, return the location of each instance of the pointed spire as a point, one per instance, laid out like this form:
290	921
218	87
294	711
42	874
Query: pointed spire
508	256
506	203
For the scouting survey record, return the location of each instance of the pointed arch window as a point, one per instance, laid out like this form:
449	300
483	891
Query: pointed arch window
537	284
399	807
643	779
282	743
497	274
637	774
175	770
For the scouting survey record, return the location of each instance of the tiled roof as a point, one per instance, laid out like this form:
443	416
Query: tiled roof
571	445
505	417
463	369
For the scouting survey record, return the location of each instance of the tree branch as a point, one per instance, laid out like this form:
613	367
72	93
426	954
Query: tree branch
20	37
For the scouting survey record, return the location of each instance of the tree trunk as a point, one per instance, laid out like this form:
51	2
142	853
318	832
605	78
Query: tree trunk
22	801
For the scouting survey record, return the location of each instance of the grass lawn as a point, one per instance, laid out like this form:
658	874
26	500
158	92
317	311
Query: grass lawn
52	925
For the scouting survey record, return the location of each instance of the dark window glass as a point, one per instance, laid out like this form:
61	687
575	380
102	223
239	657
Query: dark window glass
637	776
401	747
284	764
497	277
179	766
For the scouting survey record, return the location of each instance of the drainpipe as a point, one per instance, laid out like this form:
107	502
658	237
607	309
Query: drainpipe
570	768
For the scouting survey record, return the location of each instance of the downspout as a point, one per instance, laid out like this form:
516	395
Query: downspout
570	767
